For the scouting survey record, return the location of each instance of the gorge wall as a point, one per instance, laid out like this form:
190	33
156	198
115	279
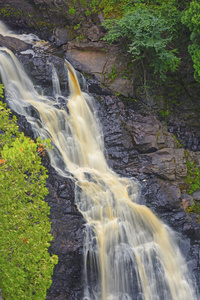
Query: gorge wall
137	141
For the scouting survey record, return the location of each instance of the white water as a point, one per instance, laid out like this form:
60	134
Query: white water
128	253
28	38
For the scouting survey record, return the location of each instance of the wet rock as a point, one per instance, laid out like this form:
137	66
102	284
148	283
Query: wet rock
40	69
68	232
169	163
185	246
186	128
167	196
13	43
148	134
62	36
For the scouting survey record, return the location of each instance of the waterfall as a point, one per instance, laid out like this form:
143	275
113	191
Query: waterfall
28	38
129	254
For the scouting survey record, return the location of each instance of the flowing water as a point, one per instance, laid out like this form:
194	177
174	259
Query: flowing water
28	38
129	254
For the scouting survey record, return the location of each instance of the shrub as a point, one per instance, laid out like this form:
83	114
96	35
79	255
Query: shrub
191	19
143	34
25	264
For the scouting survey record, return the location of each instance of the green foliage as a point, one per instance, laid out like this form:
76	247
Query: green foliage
151	30
87	13
193	178
143	34
113	74
195	208
191	19
113	8
179	145
164	112
25	264
194	51
77	26
193	182
72	10
1	90
110	8
8	11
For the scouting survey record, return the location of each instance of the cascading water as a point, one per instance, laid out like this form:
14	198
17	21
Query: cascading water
128	252
28	38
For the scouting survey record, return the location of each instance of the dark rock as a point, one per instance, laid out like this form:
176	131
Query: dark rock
196	195
169	163
185	246
148	134
68	232
12	43
166	198
40	70
62	36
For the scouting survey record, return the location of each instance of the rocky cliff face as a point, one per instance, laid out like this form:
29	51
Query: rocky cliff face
137	145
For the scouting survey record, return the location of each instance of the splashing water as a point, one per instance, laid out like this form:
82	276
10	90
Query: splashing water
128	253
28	38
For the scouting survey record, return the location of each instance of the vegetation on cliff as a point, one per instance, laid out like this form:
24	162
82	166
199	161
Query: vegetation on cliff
25	264
191	19
151	31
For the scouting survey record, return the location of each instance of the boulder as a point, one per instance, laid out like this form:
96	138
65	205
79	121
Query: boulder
148	134
169	163
168	195
12	43
62	36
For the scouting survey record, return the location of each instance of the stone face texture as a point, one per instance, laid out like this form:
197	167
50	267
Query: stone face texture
68	232
149	134
169	163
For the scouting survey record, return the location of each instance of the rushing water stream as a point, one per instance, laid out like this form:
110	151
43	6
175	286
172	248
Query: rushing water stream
128	252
